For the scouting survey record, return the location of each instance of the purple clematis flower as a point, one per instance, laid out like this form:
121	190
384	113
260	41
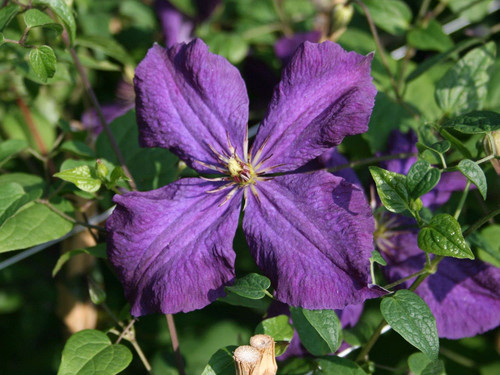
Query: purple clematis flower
310	233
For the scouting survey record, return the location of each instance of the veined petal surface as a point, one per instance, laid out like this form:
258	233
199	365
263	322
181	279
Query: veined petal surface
189	99
172	247
325	94
463	295
311	234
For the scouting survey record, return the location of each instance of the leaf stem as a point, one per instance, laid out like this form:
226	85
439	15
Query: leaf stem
373	339
478	224
97	107
462	200
372	160
67	217
401	281
175	343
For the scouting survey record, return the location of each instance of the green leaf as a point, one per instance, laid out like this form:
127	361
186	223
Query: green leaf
12	198
443	236
251	286
11	147
188	7
387	115
464	87
337	365
319	330
78	148
490	243
299	366
474	174
474	11
231	46
410	316
83	177
431	37
117	175
440	147
237	300
422	178
279	329
420	364
377	258
91	352
391	188
221	363
35	18
43	62
99	251
393	16
106	45
34	224
475	122
63	11
151	167
7	13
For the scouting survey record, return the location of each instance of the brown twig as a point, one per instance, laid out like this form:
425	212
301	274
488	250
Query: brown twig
175	343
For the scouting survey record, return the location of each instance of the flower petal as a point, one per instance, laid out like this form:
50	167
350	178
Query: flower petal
176	26
188	99
172	247
463	295
324	95
285	47
311	234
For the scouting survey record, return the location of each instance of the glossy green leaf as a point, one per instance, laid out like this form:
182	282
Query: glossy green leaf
91	352
422	178
392	190
83	177
231	46
443	236
43	62
237	300
474	174
150	167
464	87
332	365
251	286
10	148
7	13
280	329
377	258
319	330
475	122
78	148
420	364
12	198
99	251
107	45
431	37
393	16
221	363
64	12
34	224
35	18
299	366
410	316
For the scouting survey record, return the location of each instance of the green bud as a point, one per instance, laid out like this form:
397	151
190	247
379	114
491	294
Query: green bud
102	170
489	149
96	293
341	16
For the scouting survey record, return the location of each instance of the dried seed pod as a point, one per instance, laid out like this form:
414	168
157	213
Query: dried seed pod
265	345
247	360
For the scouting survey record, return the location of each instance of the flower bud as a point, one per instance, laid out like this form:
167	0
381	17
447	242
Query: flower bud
341	16
489	148
102	170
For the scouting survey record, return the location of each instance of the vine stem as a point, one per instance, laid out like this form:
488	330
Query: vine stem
373	160
175	343
478	224
97	107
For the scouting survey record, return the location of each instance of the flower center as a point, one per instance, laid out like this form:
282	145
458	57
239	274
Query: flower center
242	173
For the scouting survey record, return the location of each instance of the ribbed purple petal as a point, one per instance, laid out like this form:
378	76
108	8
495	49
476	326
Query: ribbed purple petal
172	247
311	234
188	99
324	95
463	295
176	26
285	47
